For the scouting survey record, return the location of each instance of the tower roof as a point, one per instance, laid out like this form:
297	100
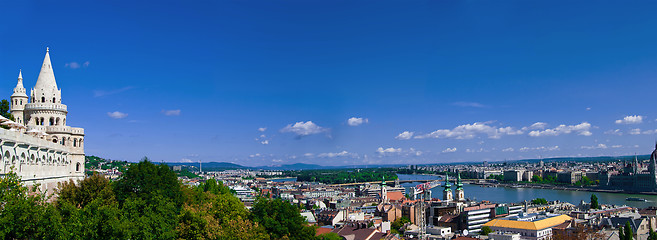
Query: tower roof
19	90
46	78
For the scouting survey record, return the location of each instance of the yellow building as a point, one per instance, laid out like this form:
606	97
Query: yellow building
532	226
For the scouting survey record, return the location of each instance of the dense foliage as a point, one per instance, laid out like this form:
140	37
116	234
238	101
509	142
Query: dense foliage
485	230
4	111
338	176
148	202
397	226
594	202
539	201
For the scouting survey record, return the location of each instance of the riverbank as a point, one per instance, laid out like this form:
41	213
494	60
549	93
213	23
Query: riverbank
554	187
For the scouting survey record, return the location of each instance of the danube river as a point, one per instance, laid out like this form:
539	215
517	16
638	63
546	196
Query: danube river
514	195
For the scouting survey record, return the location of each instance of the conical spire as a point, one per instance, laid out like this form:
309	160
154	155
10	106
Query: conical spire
19	90
46	80
459	184
447	184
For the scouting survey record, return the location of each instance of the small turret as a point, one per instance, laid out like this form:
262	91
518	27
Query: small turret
18	99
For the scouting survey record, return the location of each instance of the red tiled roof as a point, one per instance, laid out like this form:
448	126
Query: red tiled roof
395	196
321	231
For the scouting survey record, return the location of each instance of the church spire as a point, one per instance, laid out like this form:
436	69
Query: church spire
46	80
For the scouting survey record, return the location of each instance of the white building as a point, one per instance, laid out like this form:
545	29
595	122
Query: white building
47	151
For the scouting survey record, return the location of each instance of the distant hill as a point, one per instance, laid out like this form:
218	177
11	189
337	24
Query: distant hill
210	165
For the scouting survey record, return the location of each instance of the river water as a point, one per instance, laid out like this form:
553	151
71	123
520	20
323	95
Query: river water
515	195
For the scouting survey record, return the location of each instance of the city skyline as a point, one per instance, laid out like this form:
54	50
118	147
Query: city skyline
342	83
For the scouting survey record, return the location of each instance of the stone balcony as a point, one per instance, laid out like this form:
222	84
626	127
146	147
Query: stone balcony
46	106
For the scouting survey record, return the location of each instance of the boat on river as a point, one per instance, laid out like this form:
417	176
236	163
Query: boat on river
635	199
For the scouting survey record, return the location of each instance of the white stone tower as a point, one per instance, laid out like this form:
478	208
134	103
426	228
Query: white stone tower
18	100
45	112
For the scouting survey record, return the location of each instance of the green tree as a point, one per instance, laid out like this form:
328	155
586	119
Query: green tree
621	233
652	235
329	236
4	111
281	219
396	225
147	181
537	179
539	201
485	230
628	231
594	202
86	191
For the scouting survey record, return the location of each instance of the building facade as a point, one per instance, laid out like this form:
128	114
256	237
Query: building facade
633	178
46	151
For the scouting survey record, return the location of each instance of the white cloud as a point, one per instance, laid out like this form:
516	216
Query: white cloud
614	132
635	131
388	150
449	150
649	132
304	128
265	142
617	146
599	146
405	135
581	129
175	112
72	65
415	152
508	150
469	131
262	129
338	154
635	119
469	104
588	109
542	148
308	155
254	155
538	125
354	121
117	115
186	160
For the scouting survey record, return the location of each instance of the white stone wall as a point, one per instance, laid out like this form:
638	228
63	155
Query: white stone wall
38	161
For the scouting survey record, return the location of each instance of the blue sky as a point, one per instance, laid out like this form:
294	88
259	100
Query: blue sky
276	82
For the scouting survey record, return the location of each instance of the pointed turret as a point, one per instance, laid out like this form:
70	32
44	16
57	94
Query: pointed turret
45	90
18	99
19	90
46	78
459	184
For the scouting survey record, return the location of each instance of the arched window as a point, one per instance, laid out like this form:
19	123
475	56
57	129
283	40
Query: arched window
77	167
75	142
41	121
64	141
54	140
53	100
21	102
43	99
64	122
32	158
57	121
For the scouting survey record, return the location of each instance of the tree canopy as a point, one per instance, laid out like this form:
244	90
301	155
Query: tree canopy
148	202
